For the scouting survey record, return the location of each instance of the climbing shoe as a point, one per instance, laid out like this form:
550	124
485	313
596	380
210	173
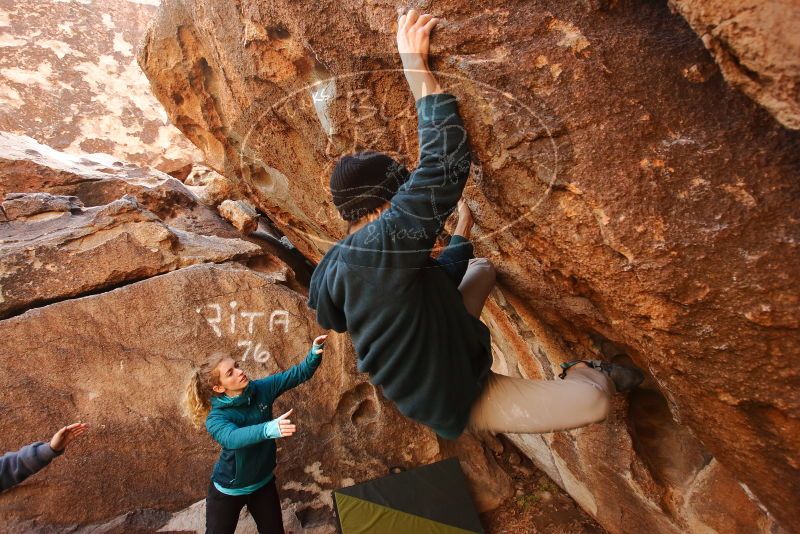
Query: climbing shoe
625	377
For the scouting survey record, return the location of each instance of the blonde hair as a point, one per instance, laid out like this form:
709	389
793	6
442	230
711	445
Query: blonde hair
199	389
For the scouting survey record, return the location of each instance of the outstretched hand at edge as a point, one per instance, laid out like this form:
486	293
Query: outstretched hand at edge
64	437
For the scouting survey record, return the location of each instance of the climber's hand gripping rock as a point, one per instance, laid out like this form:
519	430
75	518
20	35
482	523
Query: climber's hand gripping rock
413	41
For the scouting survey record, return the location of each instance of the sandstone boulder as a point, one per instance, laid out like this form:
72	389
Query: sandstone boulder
52	253
119	361
26	205
69	79
211	187
98	179
632	201
240	214
757	47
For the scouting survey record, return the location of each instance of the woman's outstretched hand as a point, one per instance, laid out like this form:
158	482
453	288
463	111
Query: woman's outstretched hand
413	41
319	344
285	427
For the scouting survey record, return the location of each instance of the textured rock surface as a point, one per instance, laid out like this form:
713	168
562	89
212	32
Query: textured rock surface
119	361
211	187
240	214
25	205
97	344
98	179
69	78
53	254
631	200
756	45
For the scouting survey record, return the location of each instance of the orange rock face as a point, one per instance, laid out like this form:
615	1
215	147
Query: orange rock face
632	201
757	47
69	79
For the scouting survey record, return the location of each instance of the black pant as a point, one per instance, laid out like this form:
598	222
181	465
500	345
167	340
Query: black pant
222	511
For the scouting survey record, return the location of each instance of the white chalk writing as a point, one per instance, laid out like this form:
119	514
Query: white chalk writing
279	317
247	328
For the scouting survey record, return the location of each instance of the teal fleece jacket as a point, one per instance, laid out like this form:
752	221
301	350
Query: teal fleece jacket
402	308
243	426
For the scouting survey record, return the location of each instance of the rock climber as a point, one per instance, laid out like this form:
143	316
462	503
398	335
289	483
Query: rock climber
414	321
17	466
237	412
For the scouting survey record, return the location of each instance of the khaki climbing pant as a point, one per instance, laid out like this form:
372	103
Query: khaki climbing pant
521	406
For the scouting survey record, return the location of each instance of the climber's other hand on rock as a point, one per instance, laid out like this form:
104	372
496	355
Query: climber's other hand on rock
465	220
64	437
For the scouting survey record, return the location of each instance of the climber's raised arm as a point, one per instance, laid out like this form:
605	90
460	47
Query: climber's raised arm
406	232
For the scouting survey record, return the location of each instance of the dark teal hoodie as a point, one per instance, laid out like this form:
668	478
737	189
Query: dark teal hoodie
239	425
403	309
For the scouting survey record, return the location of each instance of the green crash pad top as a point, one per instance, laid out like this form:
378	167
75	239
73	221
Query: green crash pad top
432	498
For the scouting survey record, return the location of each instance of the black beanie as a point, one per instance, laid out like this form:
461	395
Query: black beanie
361	183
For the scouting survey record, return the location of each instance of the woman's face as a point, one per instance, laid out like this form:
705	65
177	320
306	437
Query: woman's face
232	380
